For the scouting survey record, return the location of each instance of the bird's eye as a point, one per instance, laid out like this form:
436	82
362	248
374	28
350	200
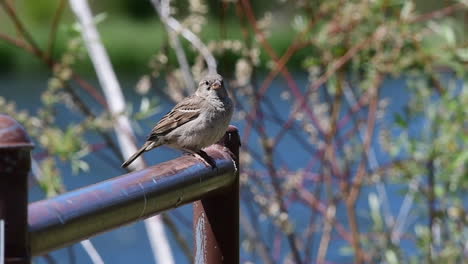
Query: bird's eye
207	83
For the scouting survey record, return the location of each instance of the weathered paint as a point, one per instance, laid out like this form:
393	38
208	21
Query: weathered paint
200	240
216	217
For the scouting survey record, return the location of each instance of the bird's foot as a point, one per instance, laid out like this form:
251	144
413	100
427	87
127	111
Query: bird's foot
205	158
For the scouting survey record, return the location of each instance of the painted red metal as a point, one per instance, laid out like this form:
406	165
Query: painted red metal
15	162
216	217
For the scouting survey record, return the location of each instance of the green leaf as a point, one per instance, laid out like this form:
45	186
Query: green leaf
400	121
374	205
391	257
462	54
407	10
346	251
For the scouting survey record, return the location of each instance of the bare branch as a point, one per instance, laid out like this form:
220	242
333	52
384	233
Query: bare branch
174	40
373	164
53	28
163	9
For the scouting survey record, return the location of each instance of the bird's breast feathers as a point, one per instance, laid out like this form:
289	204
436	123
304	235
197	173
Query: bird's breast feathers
206	129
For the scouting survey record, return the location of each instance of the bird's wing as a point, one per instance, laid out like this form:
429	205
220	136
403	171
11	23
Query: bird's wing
182	113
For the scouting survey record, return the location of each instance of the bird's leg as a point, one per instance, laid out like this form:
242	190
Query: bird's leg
205	158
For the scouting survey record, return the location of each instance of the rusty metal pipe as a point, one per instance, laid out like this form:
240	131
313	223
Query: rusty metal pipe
216	218
80	214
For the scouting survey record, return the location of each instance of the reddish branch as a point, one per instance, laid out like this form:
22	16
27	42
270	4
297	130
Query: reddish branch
284	71
269	162
320	207
280	66
443	12
50	63
355	188
8	7
268	81
30	45
90	89
17	42
340	62
53	28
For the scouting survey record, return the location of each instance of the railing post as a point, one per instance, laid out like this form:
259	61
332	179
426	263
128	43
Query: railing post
15	162
216	218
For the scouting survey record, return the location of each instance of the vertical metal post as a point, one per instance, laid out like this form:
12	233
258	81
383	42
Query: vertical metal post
216	218
2	241
15	162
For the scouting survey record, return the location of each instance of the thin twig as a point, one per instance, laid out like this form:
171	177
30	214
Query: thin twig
53	29
326	234
355	188
404	212
22	30
360	174
373	164
84	84
163	10
340	62
280	64
76	99
178	236
292	85
437	14
16	42
431	208
269	162
253	236
177	27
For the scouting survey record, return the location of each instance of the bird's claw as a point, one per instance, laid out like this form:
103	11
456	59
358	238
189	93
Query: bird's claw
206	159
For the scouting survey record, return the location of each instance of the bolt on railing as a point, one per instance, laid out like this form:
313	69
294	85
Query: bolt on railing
76	215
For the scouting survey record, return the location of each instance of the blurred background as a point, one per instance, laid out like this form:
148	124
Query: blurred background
352	116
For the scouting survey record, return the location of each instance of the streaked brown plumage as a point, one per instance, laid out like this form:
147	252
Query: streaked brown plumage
196	122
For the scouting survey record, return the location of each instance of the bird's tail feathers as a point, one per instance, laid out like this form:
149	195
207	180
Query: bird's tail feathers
147	146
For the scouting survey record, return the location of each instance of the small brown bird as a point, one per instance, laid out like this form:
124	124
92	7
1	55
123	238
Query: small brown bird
194	123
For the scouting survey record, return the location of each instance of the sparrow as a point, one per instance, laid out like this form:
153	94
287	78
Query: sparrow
196	122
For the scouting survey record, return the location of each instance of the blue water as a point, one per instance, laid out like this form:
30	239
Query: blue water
129	244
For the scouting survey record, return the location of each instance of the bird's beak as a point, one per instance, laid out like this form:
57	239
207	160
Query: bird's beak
216	85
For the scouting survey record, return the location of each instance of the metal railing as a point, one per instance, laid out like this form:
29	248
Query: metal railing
40	227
